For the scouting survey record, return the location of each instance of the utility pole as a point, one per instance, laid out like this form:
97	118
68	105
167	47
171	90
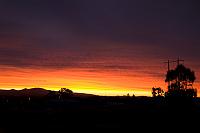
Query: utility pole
178	61
168	67
168	64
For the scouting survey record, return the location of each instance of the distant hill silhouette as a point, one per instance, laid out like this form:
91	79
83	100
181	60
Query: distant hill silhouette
24	92
35	92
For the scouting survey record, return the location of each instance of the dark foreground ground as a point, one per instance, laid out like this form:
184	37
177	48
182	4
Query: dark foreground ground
98	114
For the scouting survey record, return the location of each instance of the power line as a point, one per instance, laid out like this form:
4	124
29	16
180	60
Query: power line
168	66
178	62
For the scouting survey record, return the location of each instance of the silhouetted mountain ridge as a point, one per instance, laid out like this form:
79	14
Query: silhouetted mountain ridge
40	92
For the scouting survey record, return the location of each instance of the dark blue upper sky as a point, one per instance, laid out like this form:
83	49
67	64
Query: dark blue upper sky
62	33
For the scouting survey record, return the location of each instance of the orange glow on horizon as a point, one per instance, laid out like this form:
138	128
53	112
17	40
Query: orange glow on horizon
101	82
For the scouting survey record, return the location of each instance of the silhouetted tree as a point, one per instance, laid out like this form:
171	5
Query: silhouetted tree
128	95
181	77
156	92
181	81
64	92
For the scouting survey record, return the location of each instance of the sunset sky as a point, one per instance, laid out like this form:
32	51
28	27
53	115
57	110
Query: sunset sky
103	47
